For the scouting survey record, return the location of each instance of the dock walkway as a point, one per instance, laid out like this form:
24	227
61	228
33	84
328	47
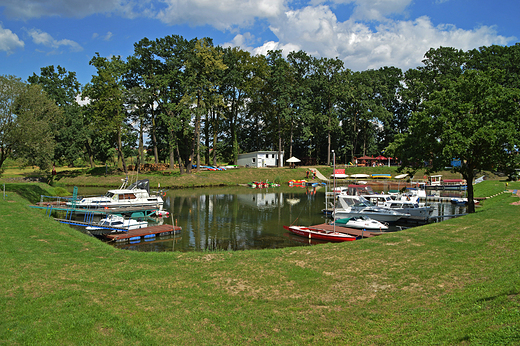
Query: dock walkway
144	233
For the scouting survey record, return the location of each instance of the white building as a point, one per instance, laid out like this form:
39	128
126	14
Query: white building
260	159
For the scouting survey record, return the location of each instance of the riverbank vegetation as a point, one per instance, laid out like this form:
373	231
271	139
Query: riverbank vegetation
455	282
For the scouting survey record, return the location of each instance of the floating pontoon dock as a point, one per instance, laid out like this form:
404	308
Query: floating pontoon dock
144	233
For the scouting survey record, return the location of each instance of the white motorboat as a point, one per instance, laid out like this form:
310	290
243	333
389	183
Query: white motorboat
405	204
136	195
355	206
361	222
119	222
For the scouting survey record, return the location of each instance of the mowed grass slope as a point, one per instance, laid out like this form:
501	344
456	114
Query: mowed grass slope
456	282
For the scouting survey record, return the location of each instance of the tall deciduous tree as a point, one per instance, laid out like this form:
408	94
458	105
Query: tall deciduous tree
11	88
327	89
106	94
37	119
28	123
472	118
278	85
204	63
64	88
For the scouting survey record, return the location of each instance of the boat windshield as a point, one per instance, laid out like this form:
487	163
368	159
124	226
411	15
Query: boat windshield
109	194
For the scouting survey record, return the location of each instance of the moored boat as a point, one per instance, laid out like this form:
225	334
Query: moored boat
111	222
136	195
321	234
354	206
360	222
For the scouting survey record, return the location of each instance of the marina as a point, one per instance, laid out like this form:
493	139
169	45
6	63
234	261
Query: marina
241	218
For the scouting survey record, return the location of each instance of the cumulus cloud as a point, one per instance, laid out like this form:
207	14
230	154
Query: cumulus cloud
9	41
47	40
377	32
317	31
223	14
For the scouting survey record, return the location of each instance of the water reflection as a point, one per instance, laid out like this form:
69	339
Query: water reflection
240	218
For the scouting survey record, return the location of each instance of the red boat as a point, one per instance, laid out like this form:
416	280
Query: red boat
321	234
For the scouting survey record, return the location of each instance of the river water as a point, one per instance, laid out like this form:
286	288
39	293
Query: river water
240	218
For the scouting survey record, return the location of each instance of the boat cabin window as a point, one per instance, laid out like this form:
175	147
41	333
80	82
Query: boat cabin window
127	196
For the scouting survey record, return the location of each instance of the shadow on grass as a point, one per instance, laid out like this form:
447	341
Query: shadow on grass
30	192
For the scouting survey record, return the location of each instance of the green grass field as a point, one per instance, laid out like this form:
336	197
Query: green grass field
455	282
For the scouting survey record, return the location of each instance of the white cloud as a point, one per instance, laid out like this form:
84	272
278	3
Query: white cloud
25	9
108	36
223	14
47	40
317	31
9	41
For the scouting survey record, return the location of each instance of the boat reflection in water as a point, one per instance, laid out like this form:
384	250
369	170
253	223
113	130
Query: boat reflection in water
239	218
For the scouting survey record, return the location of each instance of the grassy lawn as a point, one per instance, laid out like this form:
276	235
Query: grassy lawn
173	179
455	282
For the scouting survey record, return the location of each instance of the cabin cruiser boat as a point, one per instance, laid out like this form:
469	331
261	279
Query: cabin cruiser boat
404	204
355	206
135	195
112	220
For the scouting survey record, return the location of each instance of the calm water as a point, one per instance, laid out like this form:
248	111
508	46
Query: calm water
240	218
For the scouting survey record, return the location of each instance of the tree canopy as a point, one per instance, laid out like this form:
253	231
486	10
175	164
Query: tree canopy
188	102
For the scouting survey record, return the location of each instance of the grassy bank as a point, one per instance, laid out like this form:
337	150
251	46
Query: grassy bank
173	179
456	282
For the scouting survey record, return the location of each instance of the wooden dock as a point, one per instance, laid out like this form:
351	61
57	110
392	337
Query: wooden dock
351	231
144	233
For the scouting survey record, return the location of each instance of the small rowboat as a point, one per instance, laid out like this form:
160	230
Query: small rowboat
321	234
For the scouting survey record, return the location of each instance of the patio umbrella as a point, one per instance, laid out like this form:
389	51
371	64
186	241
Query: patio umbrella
293	160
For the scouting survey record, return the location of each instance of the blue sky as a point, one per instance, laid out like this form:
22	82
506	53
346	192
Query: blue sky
363	33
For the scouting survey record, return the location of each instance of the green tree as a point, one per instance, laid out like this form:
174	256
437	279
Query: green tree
327	89
301	117
37	119
472	118
11	88
279	84
64	88
106	93
201	68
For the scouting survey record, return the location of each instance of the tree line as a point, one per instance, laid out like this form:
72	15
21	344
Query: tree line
199	103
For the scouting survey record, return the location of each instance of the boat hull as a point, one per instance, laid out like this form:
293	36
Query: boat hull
338	214
319	234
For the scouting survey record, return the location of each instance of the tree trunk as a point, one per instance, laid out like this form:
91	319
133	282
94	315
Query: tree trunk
120	150
89	153
206	132
469	175
215	138
141	143
179	158
154	136
279	142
